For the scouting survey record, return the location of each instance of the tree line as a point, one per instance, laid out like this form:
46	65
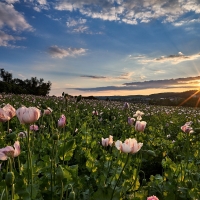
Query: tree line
33	86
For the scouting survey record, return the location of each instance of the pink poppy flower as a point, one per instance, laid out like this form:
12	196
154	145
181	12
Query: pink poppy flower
152	198
62	121
187	128
6	113
138	114
131	121
129	146
140	126
107	141
9	151
48	111
34	128
126	106
28	115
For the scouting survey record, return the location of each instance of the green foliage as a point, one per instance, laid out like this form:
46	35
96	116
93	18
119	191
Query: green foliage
71	162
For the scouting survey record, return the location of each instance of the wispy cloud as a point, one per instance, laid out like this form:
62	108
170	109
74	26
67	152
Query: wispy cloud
41	5
80	26
11	1
93	77
188	82
173	58
77	26
11	18
53	18
5	39
42	2
186	22
159	72
21	76
124	76
131	12
57	52
72	22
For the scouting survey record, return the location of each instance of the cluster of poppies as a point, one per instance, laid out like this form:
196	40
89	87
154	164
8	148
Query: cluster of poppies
26	116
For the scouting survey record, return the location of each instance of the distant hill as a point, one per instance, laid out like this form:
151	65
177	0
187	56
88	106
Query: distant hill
185	94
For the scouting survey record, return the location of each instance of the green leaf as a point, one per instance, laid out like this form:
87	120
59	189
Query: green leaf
105	193
67	149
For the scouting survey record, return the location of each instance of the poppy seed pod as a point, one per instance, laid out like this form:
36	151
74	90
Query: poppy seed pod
72	195
9	179
59	173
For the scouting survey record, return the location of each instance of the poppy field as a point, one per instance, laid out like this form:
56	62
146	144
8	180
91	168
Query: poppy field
74	148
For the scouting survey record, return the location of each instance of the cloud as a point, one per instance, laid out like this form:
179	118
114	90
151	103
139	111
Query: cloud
93	77
37	9
78	26
132	12
11	18
186	22
152	84
41	5
110	78
22	76
126	75
173	58
42	2
57	52
159	72
72	22
11	1
6	38
53	18
80	29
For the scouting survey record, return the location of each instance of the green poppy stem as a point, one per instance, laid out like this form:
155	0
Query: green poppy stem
30	170
52	169
127	158
2	194
7	164
61	193
8	127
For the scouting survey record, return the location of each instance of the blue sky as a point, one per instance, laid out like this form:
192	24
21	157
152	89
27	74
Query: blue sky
103	47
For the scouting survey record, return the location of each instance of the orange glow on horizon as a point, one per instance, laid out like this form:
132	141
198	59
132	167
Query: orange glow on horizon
58	92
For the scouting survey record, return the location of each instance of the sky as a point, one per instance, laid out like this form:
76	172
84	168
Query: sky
103	47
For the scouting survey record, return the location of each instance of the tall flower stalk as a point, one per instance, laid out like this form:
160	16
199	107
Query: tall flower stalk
127	158
29	162
28	116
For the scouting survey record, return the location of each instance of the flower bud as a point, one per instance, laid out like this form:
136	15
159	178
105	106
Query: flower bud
72	195
144	181
10	177
189	184
55	136
151	153
59	173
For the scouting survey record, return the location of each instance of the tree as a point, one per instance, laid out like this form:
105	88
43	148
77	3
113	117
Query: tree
17	86
6	76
